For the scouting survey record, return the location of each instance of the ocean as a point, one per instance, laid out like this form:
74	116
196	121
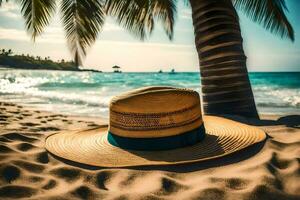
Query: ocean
89	93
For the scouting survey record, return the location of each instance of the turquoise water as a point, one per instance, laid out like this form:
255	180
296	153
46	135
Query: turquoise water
89	93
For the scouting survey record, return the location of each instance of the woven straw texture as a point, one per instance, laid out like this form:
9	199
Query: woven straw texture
91	147
151	112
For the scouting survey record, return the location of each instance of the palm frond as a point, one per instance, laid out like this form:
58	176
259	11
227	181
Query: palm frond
1	2
138	16
269	13
131	15
165	11
82	20
37	14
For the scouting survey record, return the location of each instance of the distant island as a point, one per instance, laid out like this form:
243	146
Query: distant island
10	60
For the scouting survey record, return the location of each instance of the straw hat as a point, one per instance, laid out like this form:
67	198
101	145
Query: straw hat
154	126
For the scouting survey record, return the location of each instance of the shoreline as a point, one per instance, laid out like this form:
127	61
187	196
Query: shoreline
27	170
63	70
166	72
89	93
104	119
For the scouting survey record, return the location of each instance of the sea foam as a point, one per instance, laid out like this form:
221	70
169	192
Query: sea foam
88	93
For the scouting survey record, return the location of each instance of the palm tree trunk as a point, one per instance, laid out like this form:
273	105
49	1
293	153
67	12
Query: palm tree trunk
226	88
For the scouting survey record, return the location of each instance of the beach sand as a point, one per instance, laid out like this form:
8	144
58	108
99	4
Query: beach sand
265	171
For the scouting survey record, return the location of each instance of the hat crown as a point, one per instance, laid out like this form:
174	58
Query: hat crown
155	112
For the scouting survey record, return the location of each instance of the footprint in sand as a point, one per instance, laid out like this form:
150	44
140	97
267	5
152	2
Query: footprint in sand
36	179
29	124
50	184
5	149
9	173
42	157
83	192
102	177
29	166
67	173
3	118
49	128
25	146
19	137
17	191
26	115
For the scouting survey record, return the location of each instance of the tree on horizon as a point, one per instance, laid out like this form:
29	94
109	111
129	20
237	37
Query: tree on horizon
226	88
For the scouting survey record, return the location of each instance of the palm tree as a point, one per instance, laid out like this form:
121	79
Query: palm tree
9	52
226	87
82	20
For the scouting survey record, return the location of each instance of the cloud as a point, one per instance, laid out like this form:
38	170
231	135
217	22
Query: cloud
111	27
9	6
55	34
51	35
12	34
146	44
10	15
142	56
10	10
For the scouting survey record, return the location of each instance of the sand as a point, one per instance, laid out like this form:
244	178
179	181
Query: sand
265	171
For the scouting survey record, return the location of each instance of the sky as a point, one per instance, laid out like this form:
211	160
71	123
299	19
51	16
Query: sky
116	46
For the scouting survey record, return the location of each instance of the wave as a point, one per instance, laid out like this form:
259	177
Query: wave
275	96
90	93
69	98
273	105
67	85
29	89
288	96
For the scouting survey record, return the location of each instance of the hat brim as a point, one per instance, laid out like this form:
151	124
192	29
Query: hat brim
223	137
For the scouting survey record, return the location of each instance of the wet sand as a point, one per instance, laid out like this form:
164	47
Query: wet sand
265	171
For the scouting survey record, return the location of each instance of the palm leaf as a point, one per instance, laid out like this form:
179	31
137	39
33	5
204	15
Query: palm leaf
165	10
37	14
1	2
131	15
138	16
83	20
269	13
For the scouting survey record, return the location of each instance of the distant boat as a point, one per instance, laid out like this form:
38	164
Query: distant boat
116	69
172	71
160	71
